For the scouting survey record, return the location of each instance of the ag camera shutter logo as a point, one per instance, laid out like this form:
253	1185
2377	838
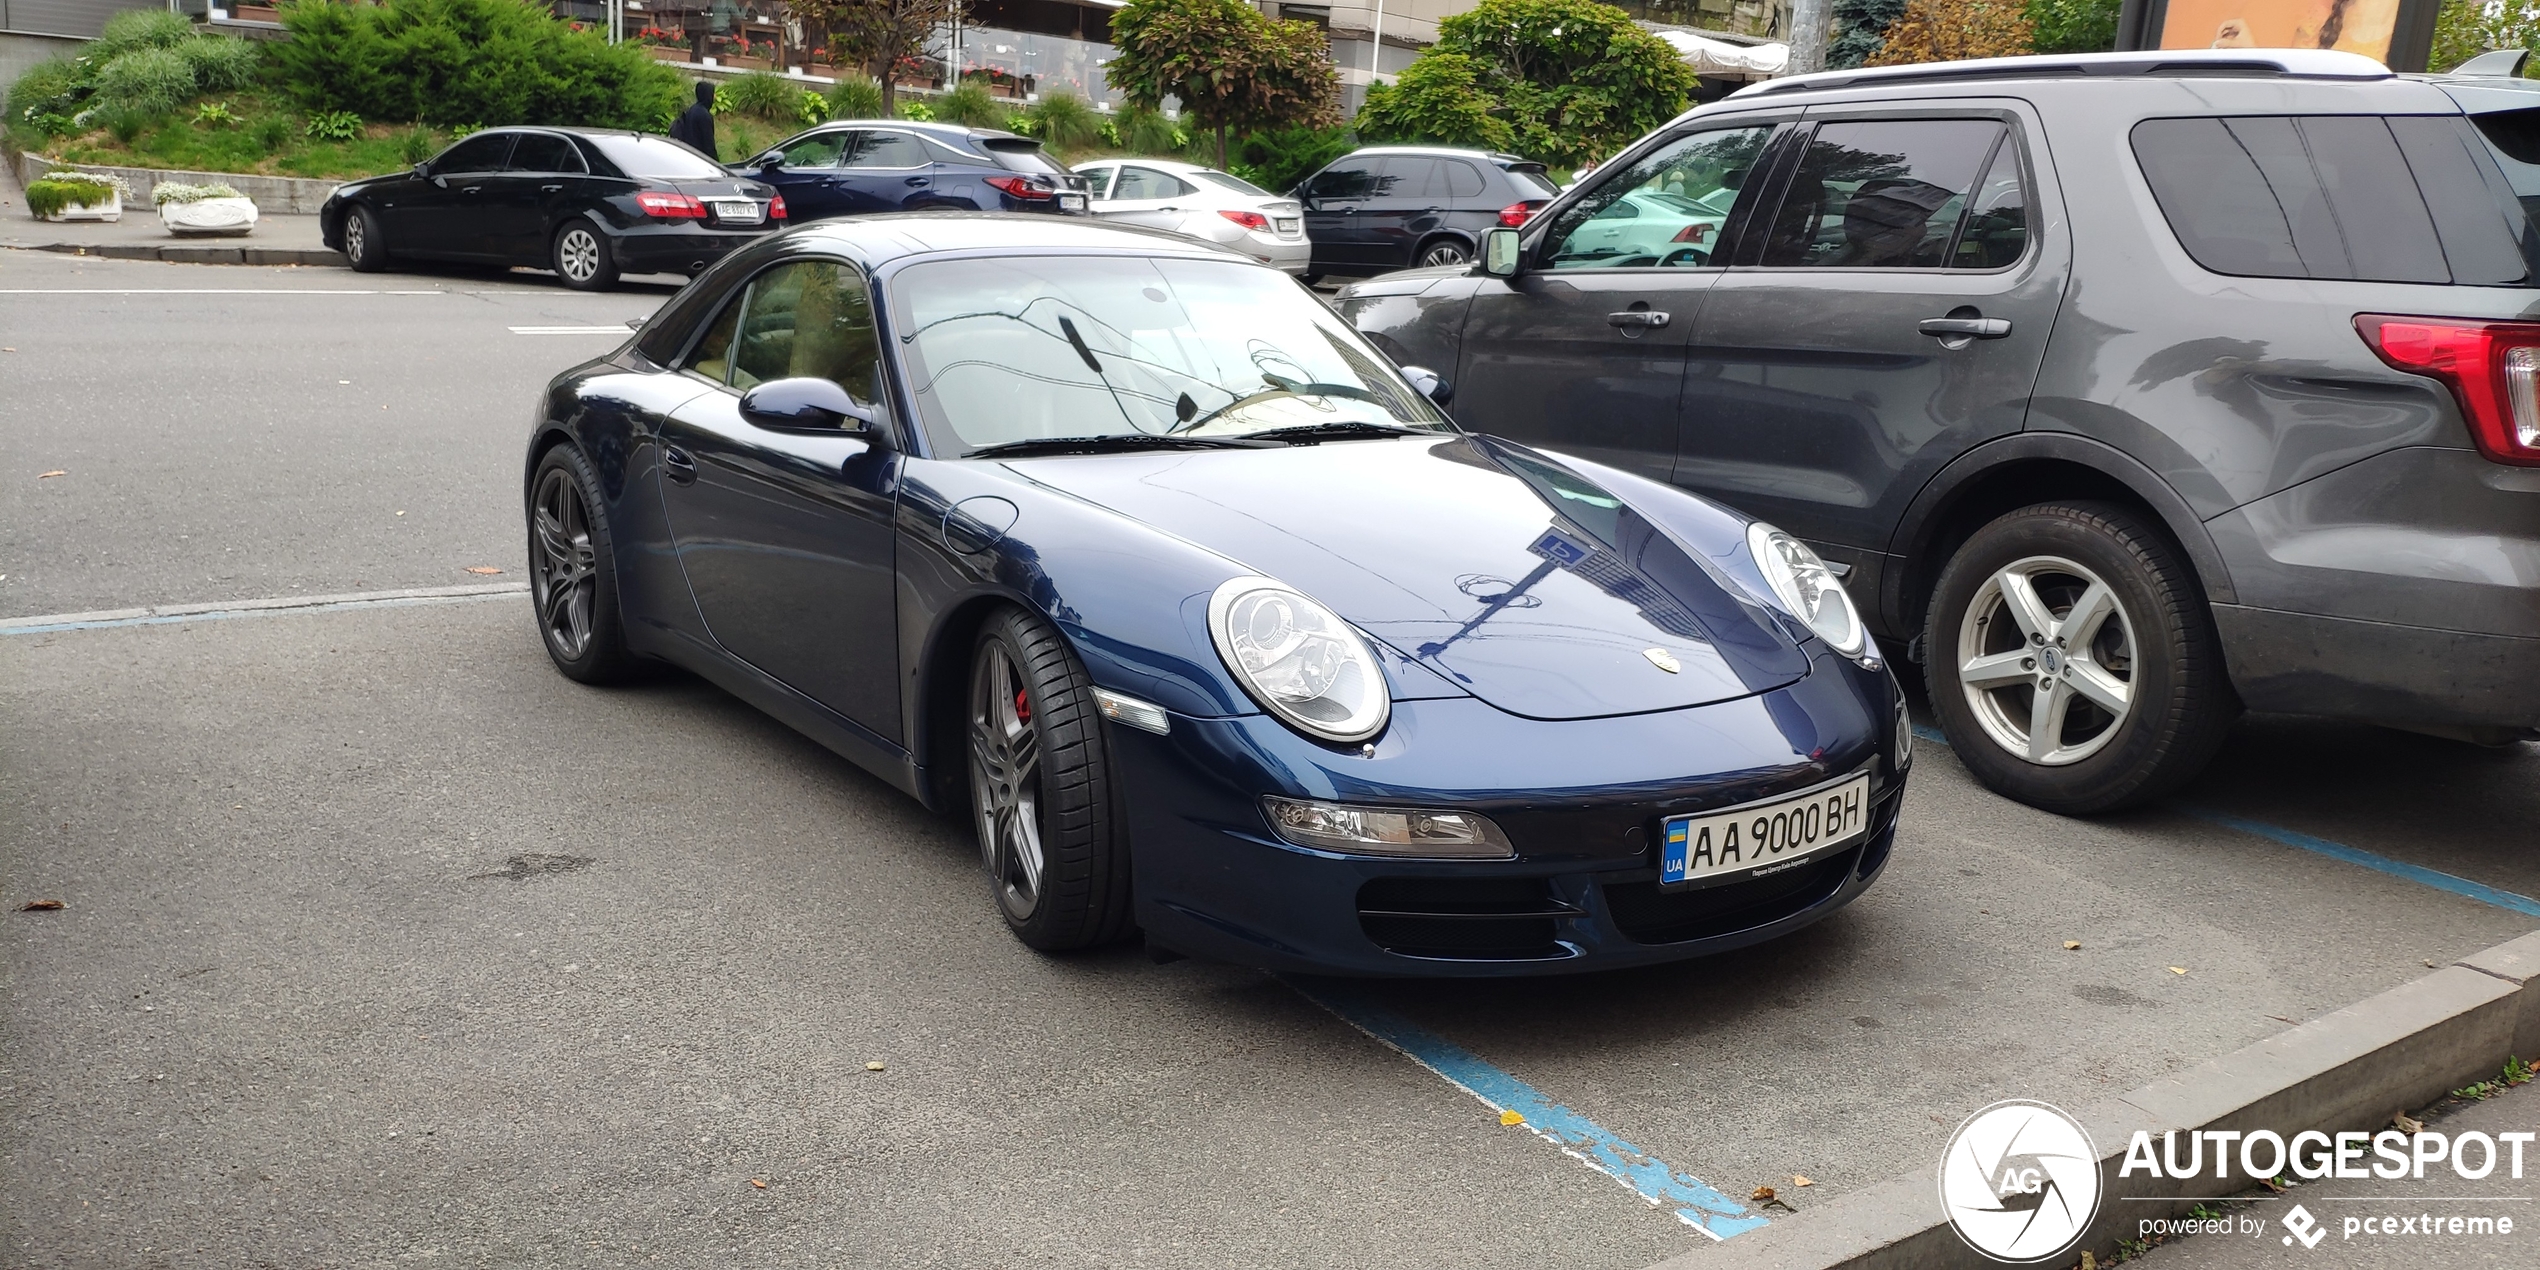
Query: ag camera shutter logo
2020	1181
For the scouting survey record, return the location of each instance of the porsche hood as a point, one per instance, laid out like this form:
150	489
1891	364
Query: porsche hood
1514	577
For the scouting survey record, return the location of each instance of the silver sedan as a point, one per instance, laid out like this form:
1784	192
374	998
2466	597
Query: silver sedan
1201	202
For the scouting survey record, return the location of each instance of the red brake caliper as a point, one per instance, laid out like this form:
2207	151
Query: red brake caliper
1022	707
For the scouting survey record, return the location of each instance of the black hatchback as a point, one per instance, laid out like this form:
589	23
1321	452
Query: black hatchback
1397	207
587	203
876	165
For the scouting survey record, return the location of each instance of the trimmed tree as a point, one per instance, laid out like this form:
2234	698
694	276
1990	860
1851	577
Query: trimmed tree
1231	68
1954	31
1860	26
1565	81
879	34
2073	26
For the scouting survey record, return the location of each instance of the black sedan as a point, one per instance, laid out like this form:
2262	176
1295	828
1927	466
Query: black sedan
588	203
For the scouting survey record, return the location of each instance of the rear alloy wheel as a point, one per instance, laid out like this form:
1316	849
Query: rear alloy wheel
365	247
2073	663
1443	253
1040	789
573	572
583	259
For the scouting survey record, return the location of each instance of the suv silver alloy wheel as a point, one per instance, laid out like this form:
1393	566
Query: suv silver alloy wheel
1444	254
578	255
2046	659
1005	782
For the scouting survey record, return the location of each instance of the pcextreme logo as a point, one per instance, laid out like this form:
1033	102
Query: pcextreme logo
2020	1181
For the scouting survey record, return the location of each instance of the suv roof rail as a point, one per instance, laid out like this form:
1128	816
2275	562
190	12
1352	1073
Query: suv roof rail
2261	63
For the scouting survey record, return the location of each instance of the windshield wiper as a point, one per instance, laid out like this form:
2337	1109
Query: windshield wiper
1122	441
1284	387
1311	433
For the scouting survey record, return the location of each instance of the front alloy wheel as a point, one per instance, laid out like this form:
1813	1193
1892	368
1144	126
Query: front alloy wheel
1041	794
1005	782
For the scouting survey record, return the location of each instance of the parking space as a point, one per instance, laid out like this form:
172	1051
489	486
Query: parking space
381	940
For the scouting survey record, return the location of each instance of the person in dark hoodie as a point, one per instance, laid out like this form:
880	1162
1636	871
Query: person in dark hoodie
695	125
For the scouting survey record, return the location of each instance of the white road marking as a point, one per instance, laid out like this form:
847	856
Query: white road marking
619	329
202	291
161	613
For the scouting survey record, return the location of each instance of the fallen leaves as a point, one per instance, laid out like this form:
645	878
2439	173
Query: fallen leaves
486	570
1765	1198
46	476
874	1066
759	1183
1800	1179
2178	970
1511	1117
2072	945
2405	1123
40	906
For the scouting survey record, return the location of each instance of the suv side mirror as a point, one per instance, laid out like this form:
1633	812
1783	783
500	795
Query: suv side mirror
806	403
423	170
1431	384
1503	251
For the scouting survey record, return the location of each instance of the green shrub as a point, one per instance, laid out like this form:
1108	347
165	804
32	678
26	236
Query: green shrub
1064	122
52	195
856	97
221	64
334	125
1148	132
761	95
150	81
467	61
416	145
810	108
51	87
141	29
916	111
179	192
124	123
215	114
970	106
270	133
1278	159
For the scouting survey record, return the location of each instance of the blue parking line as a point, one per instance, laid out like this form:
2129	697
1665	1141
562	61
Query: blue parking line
2417	873
1695	1202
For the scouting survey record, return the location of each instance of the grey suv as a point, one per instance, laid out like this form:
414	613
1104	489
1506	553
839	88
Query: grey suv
2123	390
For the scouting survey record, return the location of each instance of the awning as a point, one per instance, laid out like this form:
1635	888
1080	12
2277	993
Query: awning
1719	57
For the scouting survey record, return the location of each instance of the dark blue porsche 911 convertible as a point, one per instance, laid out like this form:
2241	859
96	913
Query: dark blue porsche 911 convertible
1206	614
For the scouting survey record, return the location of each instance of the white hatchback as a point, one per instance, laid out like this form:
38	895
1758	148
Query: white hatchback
1201	202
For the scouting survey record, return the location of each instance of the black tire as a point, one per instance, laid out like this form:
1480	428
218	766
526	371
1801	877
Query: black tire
1440	252
1027	690
365	243
573	572
581	256
2154	656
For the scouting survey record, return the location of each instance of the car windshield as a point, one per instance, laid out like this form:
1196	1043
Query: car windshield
656	158
1226	180
1040	348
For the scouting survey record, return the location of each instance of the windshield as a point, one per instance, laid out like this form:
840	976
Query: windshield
1033	348
656	158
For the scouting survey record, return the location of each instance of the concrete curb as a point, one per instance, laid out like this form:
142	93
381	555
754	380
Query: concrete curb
2343	1071
203	254
289	195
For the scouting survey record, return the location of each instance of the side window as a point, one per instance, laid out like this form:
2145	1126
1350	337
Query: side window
1138	182
1097	180
1346	180
481	153
1665	210
1881	194
810	318
712	357
1463	180
1996	233
887	150
1407	176
820	150
543	152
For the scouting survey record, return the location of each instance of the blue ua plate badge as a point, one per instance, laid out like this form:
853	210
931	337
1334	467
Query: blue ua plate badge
1764	838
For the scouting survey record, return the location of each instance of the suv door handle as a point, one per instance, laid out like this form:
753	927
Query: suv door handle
920	180
1965	328
1647	319
549	189
677	464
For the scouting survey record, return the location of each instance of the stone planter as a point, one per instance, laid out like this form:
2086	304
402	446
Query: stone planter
210	217
110	210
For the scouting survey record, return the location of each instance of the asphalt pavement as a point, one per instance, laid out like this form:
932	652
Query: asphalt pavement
381	941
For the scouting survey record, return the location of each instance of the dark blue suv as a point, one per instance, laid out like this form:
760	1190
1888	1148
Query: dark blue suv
856	166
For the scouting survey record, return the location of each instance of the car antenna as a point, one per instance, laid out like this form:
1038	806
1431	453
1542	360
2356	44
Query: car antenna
1068	324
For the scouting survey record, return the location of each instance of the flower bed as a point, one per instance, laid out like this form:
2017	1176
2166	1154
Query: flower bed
67	196
214	209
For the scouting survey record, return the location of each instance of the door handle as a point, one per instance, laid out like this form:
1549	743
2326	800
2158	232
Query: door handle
920	180
549	189
470	189
1964	328
677	464
1645	319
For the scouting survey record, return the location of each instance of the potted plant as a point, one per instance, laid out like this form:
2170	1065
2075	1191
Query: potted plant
213	209
67	195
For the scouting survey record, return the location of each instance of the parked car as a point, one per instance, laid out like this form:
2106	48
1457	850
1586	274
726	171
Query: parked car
1200	202
588	203
1391	207
854	167
2222	397
1208	618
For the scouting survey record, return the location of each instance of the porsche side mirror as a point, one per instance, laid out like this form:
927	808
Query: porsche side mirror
806	403
1431	384
1503	251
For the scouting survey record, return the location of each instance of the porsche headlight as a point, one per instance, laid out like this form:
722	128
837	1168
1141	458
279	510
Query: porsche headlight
1298	659
1807	588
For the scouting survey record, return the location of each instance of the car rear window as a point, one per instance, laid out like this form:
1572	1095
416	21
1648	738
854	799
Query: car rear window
1531	180
1016	154
1228	181
2340	197
655	158
2513	141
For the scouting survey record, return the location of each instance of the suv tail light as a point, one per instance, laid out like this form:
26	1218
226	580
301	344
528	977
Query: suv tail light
1515	215
666	205
1249	220
1697	232
776	208
2492	368
1023	187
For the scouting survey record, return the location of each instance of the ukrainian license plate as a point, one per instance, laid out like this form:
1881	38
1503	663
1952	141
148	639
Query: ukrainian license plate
1285	224
1071	202
739	211
1765	838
